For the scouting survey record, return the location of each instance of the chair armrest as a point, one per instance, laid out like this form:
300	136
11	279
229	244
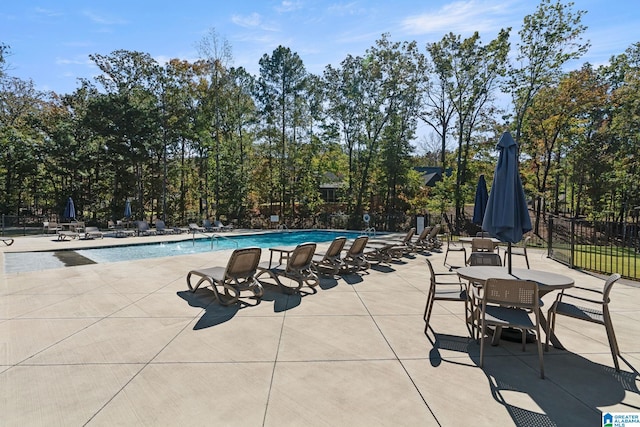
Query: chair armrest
582	298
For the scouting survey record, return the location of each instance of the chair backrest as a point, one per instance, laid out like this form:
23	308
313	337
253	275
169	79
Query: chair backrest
357	248
91	229
193	226
217	223
336	247
160	225
301	257
484	234
434	231
485	258
143	225
431	271
526	241
423	235
409	236
243	263
511	292
206	223
608	284
479	244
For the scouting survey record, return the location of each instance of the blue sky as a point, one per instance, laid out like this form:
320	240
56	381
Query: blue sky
51	40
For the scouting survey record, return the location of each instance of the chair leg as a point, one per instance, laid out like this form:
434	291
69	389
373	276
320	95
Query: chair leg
428	309
611	336
526	257
540	356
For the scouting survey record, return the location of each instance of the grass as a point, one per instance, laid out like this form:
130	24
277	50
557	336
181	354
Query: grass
602	259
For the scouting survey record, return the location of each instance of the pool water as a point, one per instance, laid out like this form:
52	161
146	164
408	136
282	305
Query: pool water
36	261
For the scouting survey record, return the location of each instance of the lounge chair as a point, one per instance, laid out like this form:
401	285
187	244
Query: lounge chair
67	234
354	258
223	227
7	240
195	228
380	251
330	260
144	229
297	268
92	233
206	224
161	228
433	240
239	275
422	241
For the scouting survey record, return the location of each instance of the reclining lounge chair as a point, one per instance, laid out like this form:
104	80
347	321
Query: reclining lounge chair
330	260
239	275
354	258
297	269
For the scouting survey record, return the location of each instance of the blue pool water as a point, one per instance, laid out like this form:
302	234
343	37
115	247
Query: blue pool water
35	261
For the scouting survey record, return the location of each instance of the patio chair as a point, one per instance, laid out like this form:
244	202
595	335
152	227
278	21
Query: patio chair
592	309
92	232
7	240
330	260
521	250
484	258
509	303
478	258
239	275
67	234
354	258
454	247
222	226
443	287
49	226
482	244
297	268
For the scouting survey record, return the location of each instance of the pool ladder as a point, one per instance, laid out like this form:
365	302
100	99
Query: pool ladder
212	237
370	231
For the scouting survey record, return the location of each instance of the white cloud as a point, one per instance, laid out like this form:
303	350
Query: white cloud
249	21
461	17
47	12
288	6
104	20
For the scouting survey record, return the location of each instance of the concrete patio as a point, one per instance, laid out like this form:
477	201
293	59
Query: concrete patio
125	344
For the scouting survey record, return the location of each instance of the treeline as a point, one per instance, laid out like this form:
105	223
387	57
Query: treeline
188	140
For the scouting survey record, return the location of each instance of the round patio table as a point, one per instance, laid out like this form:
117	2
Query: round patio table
547	282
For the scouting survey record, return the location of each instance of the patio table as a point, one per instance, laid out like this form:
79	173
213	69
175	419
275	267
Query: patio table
547	282
285	252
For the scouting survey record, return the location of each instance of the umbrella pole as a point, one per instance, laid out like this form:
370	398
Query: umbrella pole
509	256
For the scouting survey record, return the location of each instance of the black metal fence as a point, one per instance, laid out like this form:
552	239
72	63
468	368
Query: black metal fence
599	246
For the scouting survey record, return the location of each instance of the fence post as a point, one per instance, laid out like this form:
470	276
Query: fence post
550	238
572	243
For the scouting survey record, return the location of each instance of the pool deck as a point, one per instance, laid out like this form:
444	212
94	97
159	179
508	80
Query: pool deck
125	344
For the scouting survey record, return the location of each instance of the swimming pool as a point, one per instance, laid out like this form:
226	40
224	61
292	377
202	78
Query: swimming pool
36	261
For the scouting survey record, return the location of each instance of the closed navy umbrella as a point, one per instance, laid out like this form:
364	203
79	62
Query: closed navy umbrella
480	204
507	215
70	210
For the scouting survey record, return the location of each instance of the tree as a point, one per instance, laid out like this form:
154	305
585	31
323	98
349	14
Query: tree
549	38
280	88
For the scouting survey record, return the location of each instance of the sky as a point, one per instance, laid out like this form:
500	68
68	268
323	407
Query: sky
51	40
